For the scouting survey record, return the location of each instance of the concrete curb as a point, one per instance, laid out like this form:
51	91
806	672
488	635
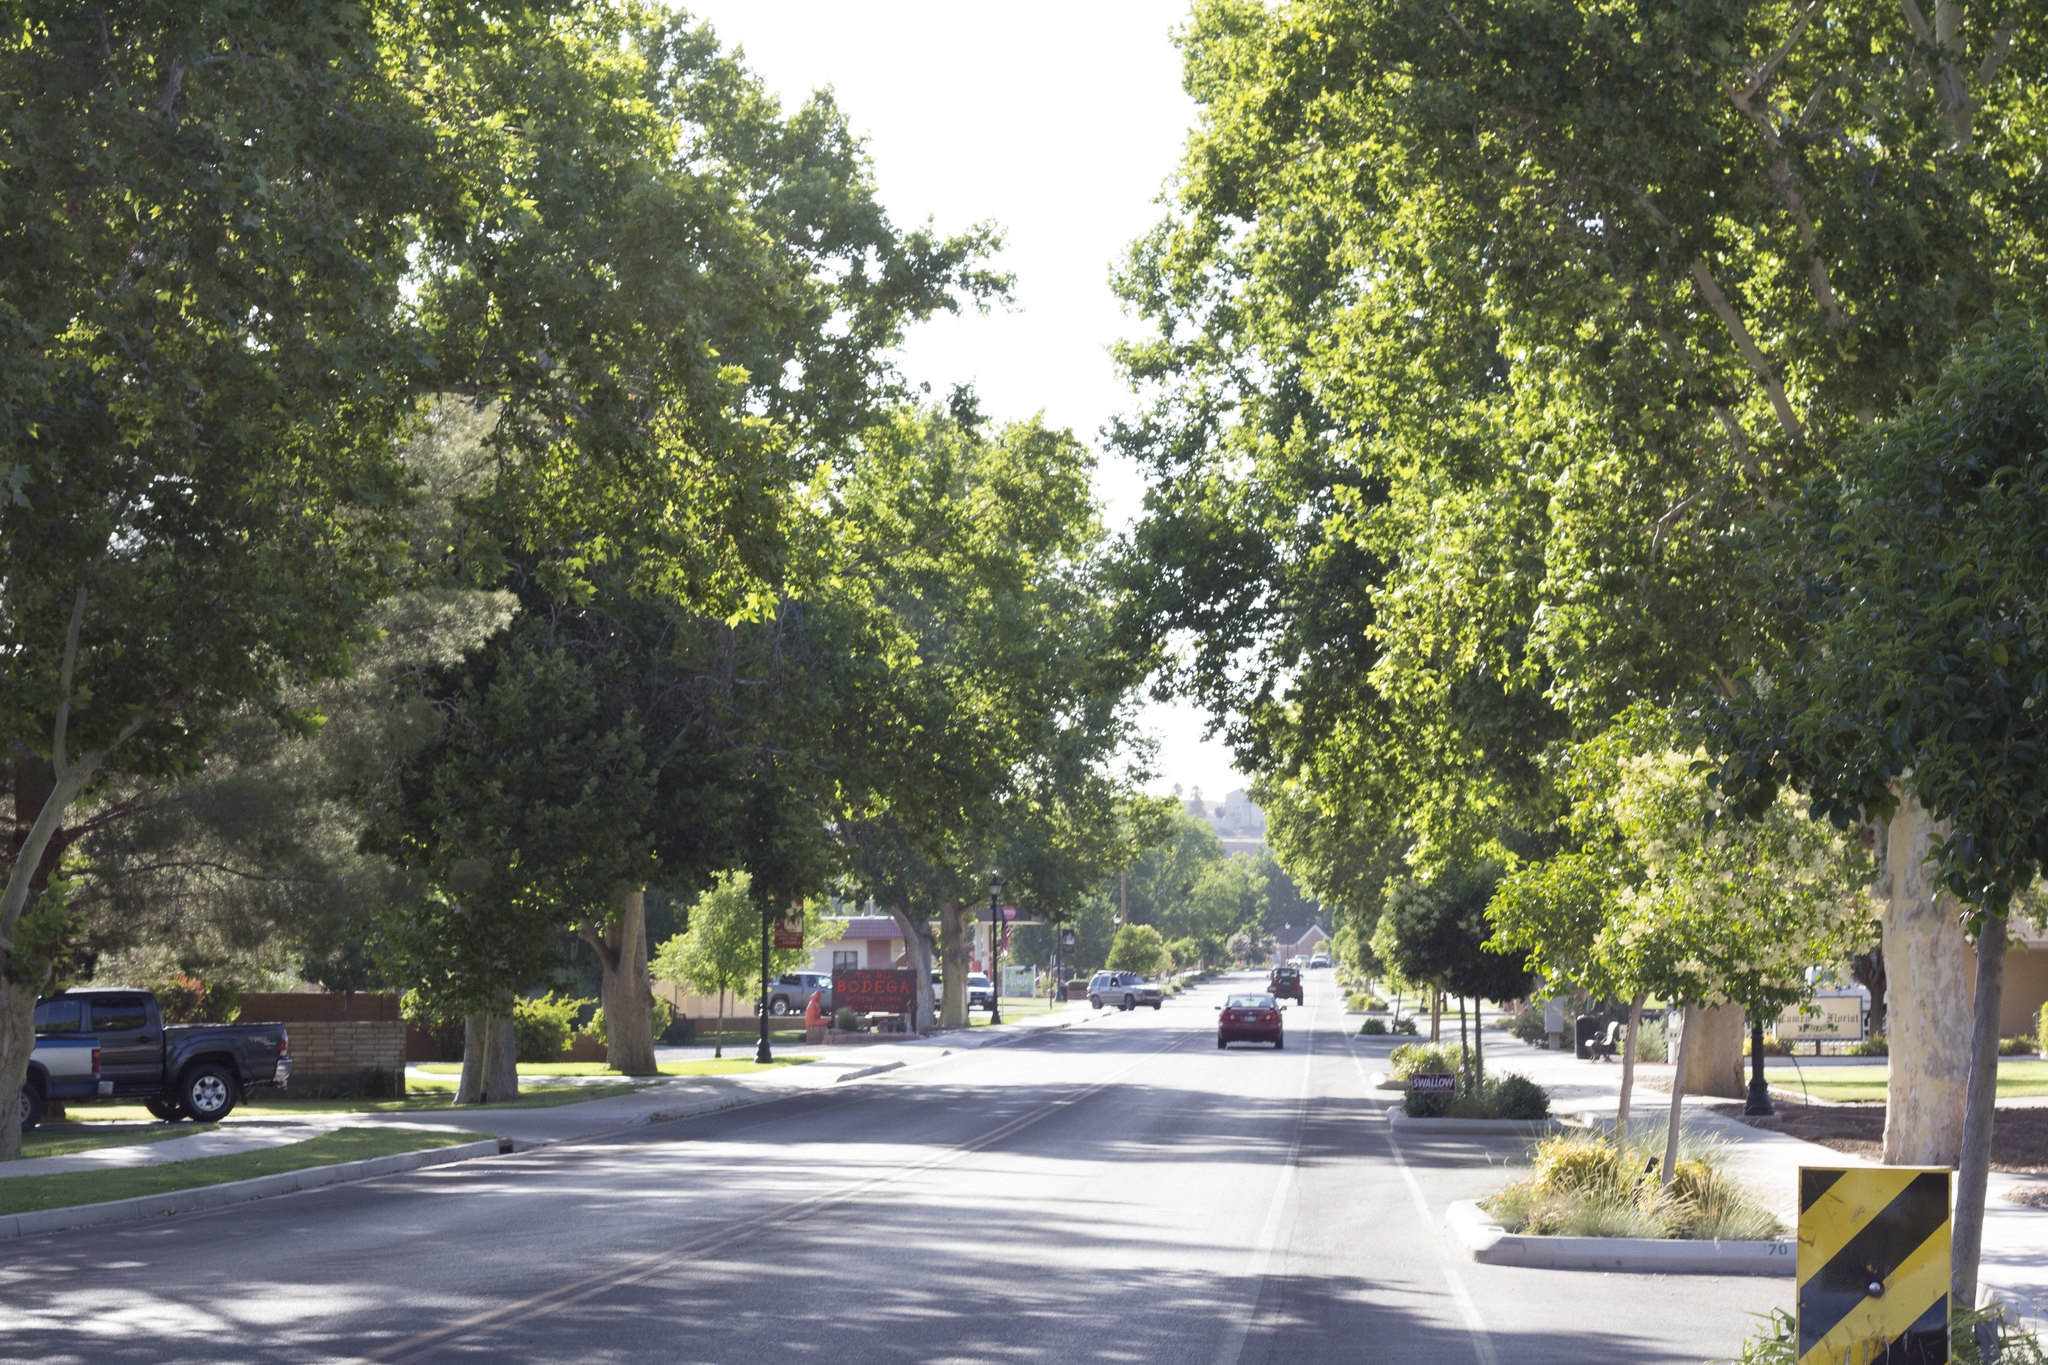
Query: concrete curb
1401	1123
1490	1244
203	1197
867	1071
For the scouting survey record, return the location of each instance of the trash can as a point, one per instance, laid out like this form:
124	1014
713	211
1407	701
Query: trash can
1585	1030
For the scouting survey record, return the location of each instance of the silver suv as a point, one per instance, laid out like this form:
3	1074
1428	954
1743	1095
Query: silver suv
1124	990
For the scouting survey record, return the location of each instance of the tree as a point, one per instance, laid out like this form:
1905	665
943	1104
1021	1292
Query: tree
721	950
1912	697
1527	318
202	403
1138	948
1440	937
1665	894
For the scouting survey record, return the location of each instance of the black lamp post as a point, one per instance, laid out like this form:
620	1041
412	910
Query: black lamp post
995	946
762	1054
1758	1105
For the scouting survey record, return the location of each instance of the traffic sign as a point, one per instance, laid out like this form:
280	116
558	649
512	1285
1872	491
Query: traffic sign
1873	1265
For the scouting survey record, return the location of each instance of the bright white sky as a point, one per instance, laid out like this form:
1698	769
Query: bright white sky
1059	121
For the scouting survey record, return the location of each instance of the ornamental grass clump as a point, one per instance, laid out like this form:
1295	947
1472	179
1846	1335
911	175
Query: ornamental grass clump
1587	1185
1409	1058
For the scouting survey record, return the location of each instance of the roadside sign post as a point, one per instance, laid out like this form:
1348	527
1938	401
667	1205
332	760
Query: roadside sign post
1873	1265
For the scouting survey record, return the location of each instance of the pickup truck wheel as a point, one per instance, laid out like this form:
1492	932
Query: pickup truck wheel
31	1107
207	1093
780	1005
165	1110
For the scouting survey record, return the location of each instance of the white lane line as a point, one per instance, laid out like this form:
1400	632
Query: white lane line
1468	1309
1231	1347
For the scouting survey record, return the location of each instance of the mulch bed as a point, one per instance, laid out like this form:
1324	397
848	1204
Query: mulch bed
2019	1137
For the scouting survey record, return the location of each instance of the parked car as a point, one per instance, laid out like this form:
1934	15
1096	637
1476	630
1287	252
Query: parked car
60	1069
981	992
1285	982
791	992
1124	990
183	1071
1319	960
1250	1019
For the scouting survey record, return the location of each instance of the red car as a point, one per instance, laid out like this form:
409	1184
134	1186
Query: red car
1250	1019
1285	982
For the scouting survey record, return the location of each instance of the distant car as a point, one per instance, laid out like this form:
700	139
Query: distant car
791	992
1250	1019
1286	983
981	992
1123	990
1319	960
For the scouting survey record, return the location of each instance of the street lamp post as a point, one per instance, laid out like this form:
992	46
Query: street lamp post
762	1054
1758	1105
995	946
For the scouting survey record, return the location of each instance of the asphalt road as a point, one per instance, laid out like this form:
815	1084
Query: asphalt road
1117	1191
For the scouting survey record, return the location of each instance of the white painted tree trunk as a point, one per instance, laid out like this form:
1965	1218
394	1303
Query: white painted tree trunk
490	1061
628	999
953	958
1713	1053
1931	972
917	953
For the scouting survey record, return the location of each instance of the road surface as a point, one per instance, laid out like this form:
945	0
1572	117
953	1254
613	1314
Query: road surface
1116	1191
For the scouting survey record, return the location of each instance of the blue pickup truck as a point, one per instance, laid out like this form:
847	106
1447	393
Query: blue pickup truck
61	1069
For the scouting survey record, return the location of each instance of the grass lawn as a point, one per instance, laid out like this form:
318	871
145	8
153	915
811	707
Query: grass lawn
49	1142
25	1194
708	1066
2016	1080
1017	1007
429	1095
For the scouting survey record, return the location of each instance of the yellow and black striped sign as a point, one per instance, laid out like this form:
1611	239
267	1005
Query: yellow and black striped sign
1873	1265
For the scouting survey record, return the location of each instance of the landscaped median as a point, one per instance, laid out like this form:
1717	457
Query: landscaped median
45	1203
1591	1203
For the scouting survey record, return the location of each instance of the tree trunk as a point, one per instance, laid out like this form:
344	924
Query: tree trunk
1929	970
1628	1069
1714	1051
718	1029
17	1041
1436	1015
628	998
1464	1047
953	966
1982	1108
1672	1124
490	1061
1867	970
917	952
1478	1046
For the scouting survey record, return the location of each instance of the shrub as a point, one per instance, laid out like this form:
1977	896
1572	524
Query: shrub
1406	1026
1873	1046
845	1020
541	1026
1518	1097
1587	1185
1653	1042
2022	1046
1410	1058
664	1016
1433	1104
1528	1025
1777	1340
1375	1026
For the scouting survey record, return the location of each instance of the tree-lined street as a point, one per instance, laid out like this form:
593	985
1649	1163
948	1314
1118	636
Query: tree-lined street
1116	1190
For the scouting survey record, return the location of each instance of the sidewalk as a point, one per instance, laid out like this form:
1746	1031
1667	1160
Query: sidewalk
657	1101
2015	1255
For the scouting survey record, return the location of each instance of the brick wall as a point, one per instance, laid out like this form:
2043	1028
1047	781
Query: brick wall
332	1054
